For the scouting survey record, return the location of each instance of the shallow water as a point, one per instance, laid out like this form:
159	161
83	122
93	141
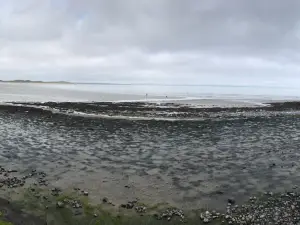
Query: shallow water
197	94
190	164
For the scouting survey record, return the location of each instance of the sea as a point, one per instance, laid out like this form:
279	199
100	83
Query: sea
144	92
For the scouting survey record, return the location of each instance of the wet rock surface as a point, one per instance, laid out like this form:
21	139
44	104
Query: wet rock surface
267	208
142	109
225	153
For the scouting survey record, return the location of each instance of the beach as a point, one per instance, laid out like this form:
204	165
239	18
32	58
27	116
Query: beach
191	155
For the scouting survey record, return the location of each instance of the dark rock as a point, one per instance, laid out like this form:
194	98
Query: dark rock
140	209
231	201
77	212
129	205
105	200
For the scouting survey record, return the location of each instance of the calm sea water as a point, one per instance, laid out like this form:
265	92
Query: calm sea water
100	92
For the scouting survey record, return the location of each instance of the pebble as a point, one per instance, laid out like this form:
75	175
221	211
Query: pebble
60	204
140	209
231	201
77	212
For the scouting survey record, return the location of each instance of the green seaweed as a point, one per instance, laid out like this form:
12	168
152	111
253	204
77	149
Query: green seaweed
46	208
5	223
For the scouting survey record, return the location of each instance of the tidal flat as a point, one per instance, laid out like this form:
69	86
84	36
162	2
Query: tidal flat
182	157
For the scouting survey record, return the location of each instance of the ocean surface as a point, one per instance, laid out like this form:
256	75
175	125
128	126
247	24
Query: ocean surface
107	92
196	163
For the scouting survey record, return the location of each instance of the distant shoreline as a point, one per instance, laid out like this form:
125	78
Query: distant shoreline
35	82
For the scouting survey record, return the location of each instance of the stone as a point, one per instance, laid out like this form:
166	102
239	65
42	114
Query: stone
77	212
105	200
206	220
85	193
231	201
60	204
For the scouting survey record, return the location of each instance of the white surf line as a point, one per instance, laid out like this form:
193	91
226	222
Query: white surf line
104	116
136	118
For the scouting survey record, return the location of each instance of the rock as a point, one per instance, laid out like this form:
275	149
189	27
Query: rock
85	193
129	205
95	215
77	212
60	204
105	200
231	201
140	209
206	220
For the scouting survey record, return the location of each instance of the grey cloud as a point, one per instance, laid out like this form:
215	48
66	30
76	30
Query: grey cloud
150	40
173	25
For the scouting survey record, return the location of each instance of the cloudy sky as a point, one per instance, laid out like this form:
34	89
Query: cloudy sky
158	41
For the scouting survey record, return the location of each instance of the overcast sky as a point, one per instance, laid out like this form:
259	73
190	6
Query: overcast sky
159	41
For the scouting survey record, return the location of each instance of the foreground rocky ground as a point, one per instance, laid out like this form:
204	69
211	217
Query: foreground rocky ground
258	150
34	201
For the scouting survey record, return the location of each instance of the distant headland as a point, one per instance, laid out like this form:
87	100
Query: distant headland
35	81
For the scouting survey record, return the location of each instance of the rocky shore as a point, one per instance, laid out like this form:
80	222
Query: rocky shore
208	165
151	110
37	203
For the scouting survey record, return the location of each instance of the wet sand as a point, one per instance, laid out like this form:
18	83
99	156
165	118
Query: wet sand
219	153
